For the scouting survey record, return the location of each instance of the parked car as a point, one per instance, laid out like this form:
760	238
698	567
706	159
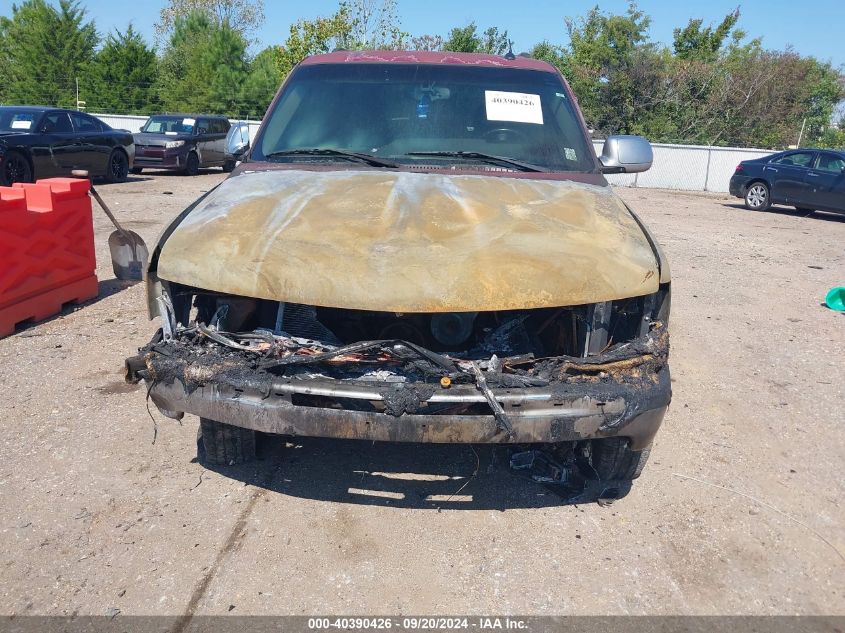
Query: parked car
237	142
182	142
807	179
420	248
42	142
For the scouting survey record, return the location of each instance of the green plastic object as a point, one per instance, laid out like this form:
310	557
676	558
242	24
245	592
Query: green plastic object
835	299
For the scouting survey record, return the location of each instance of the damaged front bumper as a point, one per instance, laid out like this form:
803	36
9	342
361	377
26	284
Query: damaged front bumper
622	392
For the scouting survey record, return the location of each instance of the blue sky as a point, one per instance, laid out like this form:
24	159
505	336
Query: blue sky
812	28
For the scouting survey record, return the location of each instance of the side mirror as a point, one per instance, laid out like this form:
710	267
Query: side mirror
625	154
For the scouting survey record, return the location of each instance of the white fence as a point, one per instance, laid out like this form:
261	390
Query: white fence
685	167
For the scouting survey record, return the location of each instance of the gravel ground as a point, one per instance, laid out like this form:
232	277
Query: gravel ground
97	518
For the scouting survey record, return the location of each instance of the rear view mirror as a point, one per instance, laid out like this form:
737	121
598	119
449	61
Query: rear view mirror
625	154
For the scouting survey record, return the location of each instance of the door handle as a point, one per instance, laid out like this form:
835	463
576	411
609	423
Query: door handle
812	174
770	169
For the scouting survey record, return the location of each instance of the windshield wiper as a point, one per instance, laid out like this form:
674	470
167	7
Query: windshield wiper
487	158
319	151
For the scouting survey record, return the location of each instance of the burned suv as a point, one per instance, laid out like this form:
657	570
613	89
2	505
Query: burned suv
420	247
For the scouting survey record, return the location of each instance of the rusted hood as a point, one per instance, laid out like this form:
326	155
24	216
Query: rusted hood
409	242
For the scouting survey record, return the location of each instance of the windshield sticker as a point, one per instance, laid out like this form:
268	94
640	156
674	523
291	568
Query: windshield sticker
189	122
569	153
21	125
513	106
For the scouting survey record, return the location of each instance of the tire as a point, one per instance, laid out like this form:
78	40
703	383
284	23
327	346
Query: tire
118	166
223	444
192	164
757	196
613	460
137	170
16	168
228	166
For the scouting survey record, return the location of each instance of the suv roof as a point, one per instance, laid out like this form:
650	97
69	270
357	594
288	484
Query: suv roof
191	116
428	57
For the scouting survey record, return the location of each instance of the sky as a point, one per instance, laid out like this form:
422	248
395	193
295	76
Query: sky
811	28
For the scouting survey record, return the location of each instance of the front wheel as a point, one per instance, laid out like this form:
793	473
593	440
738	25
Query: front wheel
118	168
15	169
192	164
223	444
757	197
228	166
613	459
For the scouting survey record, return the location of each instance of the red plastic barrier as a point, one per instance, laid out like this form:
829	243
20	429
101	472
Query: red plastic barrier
46	249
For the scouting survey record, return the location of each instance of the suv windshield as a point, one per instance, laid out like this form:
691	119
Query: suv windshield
426	113
169	125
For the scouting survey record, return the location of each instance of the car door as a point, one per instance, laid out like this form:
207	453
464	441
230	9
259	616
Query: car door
826	182
95	144
63	150
787	175
220	128
205	141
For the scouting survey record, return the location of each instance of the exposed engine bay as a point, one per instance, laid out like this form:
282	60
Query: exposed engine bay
421	364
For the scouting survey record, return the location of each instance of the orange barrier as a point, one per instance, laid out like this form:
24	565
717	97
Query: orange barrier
46	249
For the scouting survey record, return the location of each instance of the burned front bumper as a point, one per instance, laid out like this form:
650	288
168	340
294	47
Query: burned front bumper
603	397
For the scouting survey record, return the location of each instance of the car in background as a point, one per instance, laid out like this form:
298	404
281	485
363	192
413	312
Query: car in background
237	142
182	142
807	179
42	142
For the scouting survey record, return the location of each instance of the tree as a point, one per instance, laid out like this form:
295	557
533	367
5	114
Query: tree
467	40
463	39
122	76
427	43
203	67
494	42
603	50
261	83
243	16
373	24
704	44
311	37
44	50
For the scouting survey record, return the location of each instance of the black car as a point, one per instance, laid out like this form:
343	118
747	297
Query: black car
42	142
183	142
807	179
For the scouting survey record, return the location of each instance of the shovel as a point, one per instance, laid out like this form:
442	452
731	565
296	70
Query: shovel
129	254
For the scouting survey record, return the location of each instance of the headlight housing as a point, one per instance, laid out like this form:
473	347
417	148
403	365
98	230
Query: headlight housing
174	144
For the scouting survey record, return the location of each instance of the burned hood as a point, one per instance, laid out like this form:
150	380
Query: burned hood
410	242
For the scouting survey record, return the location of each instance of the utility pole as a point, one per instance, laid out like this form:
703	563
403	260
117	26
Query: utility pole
80	105
801	133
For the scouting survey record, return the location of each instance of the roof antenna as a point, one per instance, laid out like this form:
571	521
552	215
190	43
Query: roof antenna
509	55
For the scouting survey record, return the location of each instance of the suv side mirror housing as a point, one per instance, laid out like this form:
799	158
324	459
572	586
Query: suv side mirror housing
625	154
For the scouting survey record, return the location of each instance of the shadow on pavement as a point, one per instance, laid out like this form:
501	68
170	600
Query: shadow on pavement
815	215
431	476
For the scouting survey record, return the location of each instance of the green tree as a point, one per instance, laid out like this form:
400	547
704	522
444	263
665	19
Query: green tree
427	43
311	37
463	39
203	67
122	76
466	39
603	53
261	83
695	42
45	48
